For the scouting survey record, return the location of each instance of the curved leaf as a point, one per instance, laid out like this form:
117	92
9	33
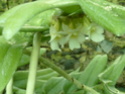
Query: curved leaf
8	63
106	14
27	11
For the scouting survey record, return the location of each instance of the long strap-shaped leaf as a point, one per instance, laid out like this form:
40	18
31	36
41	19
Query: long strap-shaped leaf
24	13
112	73
68	77
108	15
90	75
9	58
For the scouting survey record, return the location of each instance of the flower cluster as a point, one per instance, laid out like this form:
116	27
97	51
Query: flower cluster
73	31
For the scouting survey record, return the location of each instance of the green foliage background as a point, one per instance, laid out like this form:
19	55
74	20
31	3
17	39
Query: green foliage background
70	60
7	4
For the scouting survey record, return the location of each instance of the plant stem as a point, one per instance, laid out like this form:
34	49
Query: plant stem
9	88
29	28
68	77
33	64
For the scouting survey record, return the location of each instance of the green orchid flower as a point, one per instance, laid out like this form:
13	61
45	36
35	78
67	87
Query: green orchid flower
74	36
66	35
95	32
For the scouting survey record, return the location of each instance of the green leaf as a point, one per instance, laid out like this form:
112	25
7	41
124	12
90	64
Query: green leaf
14	22
111	90
54	85
112	73
106	46
90	75
20	77
4	46
7	14
106	14
43	19
9	62
24	60
18	90
72	9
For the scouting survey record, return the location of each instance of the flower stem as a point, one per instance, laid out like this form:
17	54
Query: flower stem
1	92
33	64
68	77
9	88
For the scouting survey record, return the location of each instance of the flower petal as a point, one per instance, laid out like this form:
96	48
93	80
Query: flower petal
97	37
81	38
54	45
64	40
73	43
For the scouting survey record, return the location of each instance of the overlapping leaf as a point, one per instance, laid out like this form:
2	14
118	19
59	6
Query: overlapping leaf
17	17
108	15
9	57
